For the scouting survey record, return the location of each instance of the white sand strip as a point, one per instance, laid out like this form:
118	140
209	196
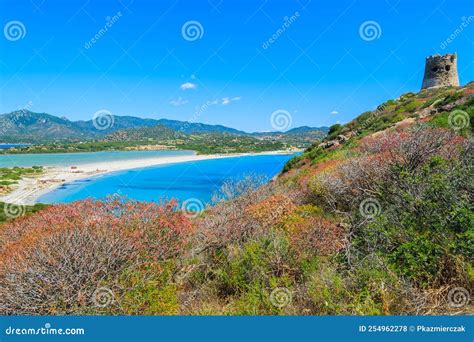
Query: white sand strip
28	190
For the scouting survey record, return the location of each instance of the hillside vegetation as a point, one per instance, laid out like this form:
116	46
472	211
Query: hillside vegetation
25	126
160	138
46	133
377	219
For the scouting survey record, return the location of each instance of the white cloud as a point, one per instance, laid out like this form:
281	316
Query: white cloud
178	102
227	100
334	112
188	85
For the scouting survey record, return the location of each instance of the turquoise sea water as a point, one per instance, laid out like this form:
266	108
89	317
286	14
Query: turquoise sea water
68	159
182	181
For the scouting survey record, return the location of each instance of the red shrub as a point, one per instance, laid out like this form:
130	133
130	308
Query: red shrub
316	235
52	262
228	221
159	230
271	211
415	146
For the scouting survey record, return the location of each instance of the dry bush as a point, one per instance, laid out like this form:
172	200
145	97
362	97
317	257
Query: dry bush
271	211
228	221
377	170
232	189
415	146
56	259
316	236
59	274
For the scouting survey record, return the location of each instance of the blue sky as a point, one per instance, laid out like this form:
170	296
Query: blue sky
319	68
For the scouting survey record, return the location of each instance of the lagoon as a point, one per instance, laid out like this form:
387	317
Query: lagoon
182	181
81	158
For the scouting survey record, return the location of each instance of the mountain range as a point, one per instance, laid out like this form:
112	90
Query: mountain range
24	126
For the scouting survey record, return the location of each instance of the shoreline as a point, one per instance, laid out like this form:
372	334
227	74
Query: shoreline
30	189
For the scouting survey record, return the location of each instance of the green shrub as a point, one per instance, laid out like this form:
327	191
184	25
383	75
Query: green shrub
245	275
25	210
418	260
150	290
334	129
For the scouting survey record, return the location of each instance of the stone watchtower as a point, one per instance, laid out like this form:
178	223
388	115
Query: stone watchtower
441	71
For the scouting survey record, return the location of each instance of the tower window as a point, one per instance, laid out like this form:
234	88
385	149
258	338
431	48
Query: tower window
447	67
434	69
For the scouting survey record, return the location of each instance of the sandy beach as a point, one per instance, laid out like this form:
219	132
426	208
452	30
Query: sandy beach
30	189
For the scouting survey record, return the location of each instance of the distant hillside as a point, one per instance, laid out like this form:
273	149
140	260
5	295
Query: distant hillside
119	122
29	127
190	128
155	133
24	126
307	129
298	137
125	122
